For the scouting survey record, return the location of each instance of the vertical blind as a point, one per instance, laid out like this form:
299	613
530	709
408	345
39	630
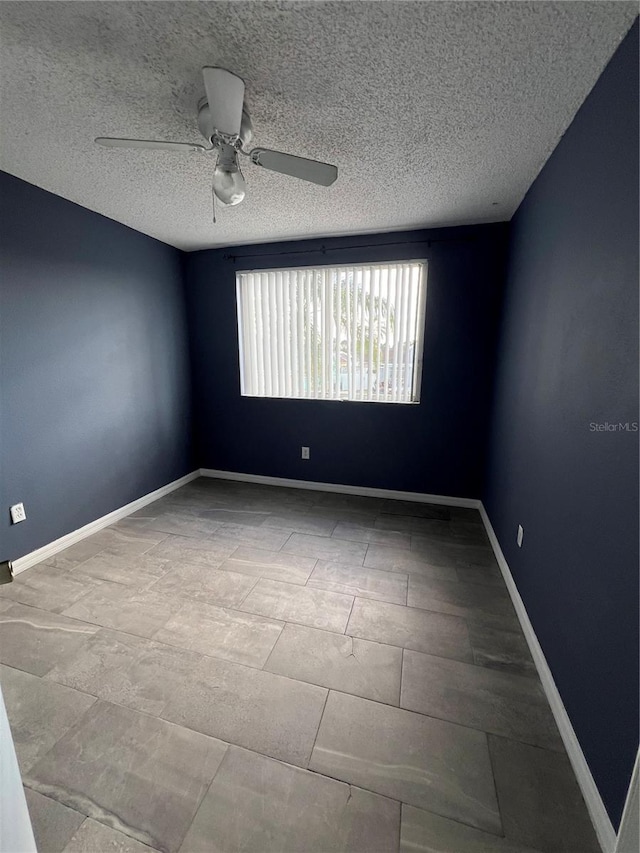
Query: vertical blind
333	333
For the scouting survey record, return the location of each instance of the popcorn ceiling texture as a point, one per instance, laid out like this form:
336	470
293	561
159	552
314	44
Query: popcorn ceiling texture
433	111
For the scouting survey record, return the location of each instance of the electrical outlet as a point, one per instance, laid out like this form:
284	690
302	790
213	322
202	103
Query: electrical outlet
17	513
305	452
520	536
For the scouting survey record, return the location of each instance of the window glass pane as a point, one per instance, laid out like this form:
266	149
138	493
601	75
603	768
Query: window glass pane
333	333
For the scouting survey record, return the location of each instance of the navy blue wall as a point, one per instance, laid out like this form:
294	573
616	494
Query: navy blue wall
436	446
568	358
94	372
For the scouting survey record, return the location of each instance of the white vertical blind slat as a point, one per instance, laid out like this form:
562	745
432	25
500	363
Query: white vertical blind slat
338	331
360	323
292	382
391	275
302	364
246	343
349	335
377	328
257	310
397	335
273	336
403	331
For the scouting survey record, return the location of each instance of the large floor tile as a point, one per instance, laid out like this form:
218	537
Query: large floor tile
121	542
269	538
293	603
35	640
498	702
371	535
428	763
405	523
358	580
258	805
250	518
53	824
137	571
116	606
301	522
416	509
454	531
338	662
77	552
222	633
540	801
326	548
226	589
485	575
167	504
39	712
426	832
410	628
194	551
348	516
355	503
183	523
467	514
135	772
274	565
440	552
400	560
94	837
258	710
487	605
415	525
127	670
47	587
507	651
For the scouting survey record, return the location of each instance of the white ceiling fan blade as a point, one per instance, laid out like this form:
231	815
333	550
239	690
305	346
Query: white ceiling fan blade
297	167
225	95
111	142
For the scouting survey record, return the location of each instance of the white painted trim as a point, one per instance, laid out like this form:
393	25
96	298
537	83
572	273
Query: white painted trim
628	841
597	811
365	491
63	542
16	833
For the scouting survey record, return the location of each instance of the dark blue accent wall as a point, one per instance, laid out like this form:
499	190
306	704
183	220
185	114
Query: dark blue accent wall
568	358
436	446
94	370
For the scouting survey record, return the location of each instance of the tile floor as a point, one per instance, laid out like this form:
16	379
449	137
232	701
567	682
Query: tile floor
248	668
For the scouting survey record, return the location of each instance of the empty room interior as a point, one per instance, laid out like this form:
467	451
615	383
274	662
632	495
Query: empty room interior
319	508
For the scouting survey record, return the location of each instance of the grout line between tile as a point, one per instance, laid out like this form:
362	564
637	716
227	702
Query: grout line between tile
313	746
346	624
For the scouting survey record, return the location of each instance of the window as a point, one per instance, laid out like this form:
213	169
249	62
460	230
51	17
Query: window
333	333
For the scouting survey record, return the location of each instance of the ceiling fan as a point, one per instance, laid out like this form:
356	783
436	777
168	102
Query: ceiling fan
225	123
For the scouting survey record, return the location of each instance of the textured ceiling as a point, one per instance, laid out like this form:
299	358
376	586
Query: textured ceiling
435	113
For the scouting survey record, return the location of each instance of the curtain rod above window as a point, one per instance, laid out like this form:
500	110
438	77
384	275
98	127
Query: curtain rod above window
323	249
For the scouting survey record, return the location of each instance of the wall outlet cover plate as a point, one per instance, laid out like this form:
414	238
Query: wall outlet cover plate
17	513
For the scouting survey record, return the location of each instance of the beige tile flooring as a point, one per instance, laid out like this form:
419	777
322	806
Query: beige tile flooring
249	668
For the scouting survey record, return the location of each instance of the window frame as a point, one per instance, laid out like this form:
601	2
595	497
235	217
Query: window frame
420	328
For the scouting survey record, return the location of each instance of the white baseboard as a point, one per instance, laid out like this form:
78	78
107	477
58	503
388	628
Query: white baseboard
629	834
63	542
597	811
365	491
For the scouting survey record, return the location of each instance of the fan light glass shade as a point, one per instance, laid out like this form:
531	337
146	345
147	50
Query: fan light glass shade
228	186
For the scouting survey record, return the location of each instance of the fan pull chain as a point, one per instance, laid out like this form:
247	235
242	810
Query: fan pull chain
213	198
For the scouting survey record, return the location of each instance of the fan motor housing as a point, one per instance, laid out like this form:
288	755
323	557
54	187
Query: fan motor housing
207	129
